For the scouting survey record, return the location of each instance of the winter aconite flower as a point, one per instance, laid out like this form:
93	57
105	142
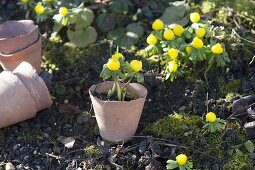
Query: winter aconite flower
172	66
181	159
152	39
158	25
173	53
136	65
188	50
39	9
200	32
116	56
210	117
169	34
178	30
49	0
217	49
63	11
194	17
197	43
24	1
113	64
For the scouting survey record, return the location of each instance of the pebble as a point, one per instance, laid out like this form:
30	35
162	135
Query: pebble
9	166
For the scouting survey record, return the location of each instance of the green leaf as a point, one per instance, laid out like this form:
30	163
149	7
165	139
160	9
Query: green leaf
84	18
119	6
249	146
171	164
106	21
60	89
175	14
139	78
82	37
182	168
136	29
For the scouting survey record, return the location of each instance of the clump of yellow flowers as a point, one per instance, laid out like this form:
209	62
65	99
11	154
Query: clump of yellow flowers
181	48
181	162
119	69
213	123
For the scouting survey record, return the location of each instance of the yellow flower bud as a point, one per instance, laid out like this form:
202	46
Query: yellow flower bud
113	65
197	43
63	11
116	56
173	53
217	49
152	39
158	25
188	50
172	66
136	65
210	117
194	17
178	30
181	159
168	34
39	9
200	32
24	1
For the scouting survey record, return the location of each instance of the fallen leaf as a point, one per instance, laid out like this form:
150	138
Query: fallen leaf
68	108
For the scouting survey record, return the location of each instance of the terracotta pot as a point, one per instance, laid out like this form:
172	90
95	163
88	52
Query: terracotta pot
118	120
35	85
31	54
15	101
17	35
22	94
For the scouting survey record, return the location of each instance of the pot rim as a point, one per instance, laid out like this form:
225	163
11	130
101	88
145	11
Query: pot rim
93	88
7	57
35	28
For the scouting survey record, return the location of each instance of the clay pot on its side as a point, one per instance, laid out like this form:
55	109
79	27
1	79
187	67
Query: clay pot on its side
31	54
20	41
118	120
22	94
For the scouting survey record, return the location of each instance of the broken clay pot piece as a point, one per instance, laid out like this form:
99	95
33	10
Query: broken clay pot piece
22	94
20	41
118	120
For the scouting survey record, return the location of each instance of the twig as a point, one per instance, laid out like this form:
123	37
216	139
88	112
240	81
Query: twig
252	42
252	60
54	156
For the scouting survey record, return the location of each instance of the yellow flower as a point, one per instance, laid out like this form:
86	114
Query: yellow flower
24	1
136	65
158	25
173	53
197	43
172	66
63	11
152	39
178	30
188	50
49	0
181	159
217	49
116	56
113	64
210	117
194	17
200	32
168	34
39	9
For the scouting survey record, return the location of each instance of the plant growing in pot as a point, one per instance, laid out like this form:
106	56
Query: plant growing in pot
118	104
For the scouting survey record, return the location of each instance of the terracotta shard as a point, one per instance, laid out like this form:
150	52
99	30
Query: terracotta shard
118	120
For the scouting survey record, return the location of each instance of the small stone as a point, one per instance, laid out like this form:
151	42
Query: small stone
9	166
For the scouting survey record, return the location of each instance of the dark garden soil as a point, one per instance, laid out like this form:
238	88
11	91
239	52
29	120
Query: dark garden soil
66	136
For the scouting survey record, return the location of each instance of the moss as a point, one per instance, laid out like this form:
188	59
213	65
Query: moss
92	150
189	132
230	87
239	161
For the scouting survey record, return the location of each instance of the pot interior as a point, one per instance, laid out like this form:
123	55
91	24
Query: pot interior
12	29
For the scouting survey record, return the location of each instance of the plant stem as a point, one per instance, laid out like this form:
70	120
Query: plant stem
118	90
128	82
